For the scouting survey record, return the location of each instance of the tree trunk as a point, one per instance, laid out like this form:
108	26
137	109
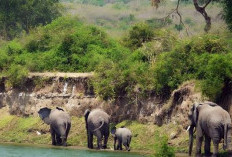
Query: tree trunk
204	14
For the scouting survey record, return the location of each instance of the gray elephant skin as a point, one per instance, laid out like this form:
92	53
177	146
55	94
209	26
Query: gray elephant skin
97	123
121	136
212	122
60	124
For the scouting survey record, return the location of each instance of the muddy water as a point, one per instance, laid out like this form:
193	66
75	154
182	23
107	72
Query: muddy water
9	150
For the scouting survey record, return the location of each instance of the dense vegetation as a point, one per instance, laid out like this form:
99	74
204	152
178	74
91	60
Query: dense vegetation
154	62
23	15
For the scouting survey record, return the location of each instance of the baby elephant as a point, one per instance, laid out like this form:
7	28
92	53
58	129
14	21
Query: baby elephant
123	136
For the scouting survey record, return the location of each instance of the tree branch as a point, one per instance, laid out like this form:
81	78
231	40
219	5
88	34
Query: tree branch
204	14
176	10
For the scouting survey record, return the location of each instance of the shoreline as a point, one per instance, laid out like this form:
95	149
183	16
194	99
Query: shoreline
143	153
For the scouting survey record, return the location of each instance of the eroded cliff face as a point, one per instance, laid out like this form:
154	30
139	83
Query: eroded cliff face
72	92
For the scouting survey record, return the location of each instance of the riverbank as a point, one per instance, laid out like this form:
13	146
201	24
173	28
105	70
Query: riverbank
26	130
15	150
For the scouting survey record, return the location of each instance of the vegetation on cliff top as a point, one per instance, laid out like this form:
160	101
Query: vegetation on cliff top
147	61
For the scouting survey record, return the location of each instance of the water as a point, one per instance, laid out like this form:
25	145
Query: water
28	151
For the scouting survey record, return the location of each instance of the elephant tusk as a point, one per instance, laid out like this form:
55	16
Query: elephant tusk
188	128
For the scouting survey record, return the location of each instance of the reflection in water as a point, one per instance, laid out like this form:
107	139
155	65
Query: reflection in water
26	151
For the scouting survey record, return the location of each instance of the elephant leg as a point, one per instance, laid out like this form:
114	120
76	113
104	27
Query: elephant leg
90	140
65	136
105	141
58	139
53	135
215	149
99	142
207	146
62	131
120	145
126	146
199	139
67	131
115	140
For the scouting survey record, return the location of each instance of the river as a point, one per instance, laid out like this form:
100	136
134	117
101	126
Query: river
11	150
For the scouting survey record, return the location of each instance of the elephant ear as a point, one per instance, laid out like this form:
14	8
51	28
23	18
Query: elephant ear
113	131
196	112
44	114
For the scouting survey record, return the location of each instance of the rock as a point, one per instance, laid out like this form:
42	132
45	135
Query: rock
173	135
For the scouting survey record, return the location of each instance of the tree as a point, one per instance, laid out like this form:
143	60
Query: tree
18	15
200	6
228	13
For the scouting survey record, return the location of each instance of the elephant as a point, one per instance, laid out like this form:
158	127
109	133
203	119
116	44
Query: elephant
123	136
211	122
60	124
97	123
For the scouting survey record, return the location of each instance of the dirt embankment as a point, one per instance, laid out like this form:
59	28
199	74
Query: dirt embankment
73	92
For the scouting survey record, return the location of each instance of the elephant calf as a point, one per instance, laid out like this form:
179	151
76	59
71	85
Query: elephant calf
123	136
59	122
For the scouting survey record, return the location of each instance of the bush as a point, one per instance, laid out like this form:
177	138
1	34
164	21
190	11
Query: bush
206	59
162	149
138	34
16	75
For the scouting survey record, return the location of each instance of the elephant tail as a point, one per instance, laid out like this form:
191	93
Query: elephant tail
102	123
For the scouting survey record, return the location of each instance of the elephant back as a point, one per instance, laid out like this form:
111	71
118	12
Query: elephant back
59	116
123	132
97	119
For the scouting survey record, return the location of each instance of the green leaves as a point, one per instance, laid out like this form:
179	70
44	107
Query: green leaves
22	15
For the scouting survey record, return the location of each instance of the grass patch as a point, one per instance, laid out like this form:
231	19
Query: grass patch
23	130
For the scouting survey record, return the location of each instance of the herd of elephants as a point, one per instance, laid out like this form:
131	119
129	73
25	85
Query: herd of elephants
207	119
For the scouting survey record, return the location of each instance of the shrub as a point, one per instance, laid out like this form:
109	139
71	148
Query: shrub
139	34
205	59
162	149
16	75
14	48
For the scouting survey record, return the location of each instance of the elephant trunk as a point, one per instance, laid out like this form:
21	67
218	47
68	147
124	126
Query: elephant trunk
191	139
227	137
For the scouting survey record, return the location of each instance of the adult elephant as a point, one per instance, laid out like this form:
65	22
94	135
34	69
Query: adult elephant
59	122
211	123
97	123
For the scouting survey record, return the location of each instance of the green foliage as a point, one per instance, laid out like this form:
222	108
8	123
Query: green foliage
162	149
22	15
159	23
228	12
203	58
189	21
179	27
138	34
93	2
16	75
